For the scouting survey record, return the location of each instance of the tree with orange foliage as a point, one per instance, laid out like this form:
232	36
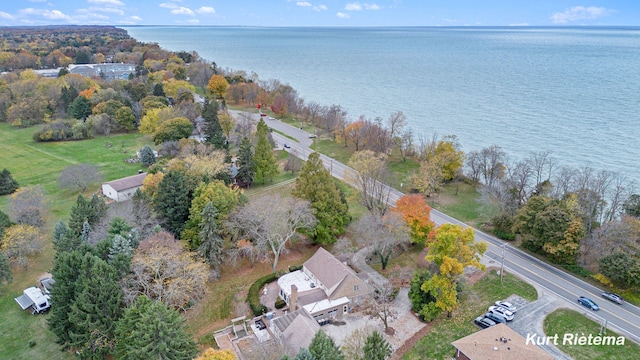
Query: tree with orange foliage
416	213
354	132
88	93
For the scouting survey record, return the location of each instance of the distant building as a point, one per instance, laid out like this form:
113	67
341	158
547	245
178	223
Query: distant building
108	71
123	189
497	342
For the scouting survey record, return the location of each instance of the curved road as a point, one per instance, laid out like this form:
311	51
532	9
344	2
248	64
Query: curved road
624	319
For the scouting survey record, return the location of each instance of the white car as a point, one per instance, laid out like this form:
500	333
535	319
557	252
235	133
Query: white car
499	310
507	305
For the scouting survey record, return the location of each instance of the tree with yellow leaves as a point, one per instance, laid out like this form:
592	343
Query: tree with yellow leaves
211	354
218	85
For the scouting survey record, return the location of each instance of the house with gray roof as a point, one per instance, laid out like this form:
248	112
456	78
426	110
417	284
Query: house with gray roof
295	330
123	189
108	71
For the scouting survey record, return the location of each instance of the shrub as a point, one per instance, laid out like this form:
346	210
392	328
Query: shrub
280	303
293	268
254	294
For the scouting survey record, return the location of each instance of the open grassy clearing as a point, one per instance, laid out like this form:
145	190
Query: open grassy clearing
462	201
475	300
565	321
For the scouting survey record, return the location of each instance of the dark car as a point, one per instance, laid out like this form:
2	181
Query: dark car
495	317
613	297
263	114
483	322
585	301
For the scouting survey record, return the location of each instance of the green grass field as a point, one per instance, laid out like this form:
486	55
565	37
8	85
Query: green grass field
564	321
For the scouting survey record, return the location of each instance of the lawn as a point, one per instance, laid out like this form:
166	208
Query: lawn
462	201
437	343
564	321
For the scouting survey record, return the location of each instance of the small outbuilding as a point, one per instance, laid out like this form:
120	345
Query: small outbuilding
123	189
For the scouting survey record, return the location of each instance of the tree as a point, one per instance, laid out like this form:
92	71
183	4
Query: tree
20	242
163	271
621	268
80	108
632	205
211	354
271	222
66	270
265	163
380	305
246	166
304	354
6	275
377	347
27	206
158	90
172	201
315	184
147	156
125	118
227	123
213	133
5	222
78	177
211	242
173	129
91	211
421	300
7	184
353	345
369	177
416	213
323	347
382	234
218	85
150	330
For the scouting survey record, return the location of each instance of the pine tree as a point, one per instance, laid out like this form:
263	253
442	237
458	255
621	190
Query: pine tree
80	108
377	347
158	90
86	232
120	245
66	271
211	243
95	309
7	184
265	162
305	354
173	201
213	133
246	166
5	222
147	157
150	330
91	211
316	185
323	347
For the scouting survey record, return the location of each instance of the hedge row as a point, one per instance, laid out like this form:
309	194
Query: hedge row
254	294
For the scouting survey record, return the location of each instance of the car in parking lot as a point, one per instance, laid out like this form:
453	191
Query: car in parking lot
495	317
613	297
483	322
499	310
585	301
507	305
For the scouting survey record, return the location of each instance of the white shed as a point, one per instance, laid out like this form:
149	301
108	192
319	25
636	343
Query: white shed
123	189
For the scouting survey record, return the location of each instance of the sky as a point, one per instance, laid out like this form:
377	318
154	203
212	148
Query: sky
321	12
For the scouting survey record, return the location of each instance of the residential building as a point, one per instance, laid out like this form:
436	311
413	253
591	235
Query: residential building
123	189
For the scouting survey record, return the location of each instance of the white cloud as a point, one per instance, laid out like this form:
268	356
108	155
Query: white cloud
353	6
107	2
343	15
372	7
320	8
134	18
206	10
4	15
183	11
303	3
168	6
578	13
48	14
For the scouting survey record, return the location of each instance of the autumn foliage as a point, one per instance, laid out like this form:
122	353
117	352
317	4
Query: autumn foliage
416	213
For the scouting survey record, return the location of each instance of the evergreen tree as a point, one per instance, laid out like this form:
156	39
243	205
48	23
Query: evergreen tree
305	354
246	166
173	201
377	347
147	157
80	108
7	184
95	308
150	330
316	185
66	271
119	226
158	90
68	95
91	211
86	231
5	222
211	243
120	245
5	270
213	133
265	162
323	347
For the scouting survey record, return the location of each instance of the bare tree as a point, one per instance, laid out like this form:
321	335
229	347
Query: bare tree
271	222
380	306
78	176
383	234
369	178
27	206
244	127
492	160
353	345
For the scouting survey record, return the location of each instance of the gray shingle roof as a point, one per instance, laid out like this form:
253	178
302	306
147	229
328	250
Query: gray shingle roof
327	268
128	182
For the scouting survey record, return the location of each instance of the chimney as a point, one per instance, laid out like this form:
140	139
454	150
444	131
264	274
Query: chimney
293	299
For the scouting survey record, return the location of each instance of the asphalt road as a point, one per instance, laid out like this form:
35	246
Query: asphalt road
624	319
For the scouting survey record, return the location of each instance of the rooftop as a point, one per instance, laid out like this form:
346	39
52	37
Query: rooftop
327	268
128	182
297	278
325	304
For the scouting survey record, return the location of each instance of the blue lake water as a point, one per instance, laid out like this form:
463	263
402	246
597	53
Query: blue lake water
572	91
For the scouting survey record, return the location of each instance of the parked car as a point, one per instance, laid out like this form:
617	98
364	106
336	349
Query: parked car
495	317
613	297
263	114
312	136
499	310
286	146
507	305
483	322
585	301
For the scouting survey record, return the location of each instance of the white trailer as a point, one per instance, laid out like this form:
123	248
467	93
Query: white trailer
34	298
